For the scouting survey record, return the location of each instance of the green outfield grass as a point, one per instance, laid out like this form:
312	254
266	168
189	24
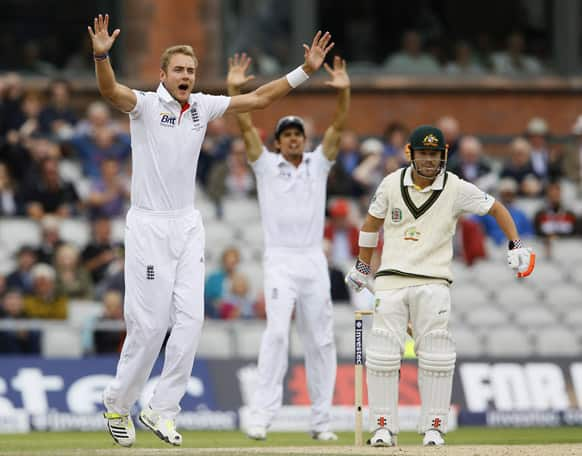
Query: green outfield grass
40	442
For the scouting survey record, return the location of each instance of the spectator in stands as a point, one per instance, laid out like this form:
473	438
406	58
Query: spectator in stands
10	203
102	142
25	120
44	302
18	341
72	279
57	117
507	193
214	149
470	165
21	278
339	290
109	192
520	169
50	239
110	341
395	138
341	232
238	301
554	220
13	93
231	177
452	131
340	180
513	61
218	282
370	172
537	134
101	256
464	63
51	194
411	59
98	115
572	162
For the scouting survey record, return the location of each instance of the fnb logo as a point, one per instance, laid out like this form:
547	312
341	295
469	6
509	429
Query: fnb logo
167	119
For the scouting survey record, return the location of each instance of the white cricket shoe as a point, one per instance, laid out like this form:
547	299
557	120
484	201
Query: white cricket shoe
121	428
325	436
257	433
164	428
432	437
382	438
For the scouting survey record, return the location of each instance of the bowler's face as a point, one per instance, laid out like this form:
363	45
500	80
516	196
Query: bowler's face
180	77
291	143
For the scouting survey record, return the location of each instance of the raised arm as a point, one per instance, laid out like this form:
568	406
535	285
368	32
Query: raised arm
264	95
236	78
341	81
120	96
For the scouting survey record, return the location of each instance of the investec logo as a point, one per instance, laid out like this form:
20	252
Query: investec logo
167	119
359	359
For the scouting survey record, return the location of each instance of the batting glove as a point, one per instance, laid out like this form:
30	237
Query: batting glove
357	278
521	259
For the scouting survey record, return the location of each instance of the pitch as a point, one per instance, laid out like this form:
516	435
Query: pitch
469	441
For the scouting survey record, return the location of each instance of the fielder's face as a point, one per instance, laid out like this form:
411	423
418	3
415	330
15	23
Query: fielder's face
427	162
291	143
180	77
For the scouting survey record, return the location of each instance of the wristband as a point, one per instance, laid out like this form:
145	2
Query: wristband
367	239
100	57
363	267
297	77
515	244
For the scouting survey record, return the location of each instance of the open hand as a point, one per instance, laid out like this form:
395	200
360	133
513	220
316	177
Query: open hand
100	37
315	55
237	68
339	75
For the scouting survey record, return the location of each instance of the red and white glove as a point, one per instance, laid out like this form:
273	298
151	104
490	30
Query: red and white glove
357	278
521	259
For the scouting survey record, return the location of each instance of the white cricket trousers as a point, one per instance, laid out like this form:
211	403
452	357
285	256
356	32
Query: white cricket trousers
164	283
296	279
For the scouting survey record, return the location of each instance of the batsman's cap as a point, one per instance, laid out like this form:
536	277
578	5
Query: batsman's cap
288	122
427	137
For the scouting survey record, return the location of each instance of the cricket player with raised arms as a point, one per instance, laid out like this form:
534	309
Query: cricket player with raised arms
418	207
164	237
291	184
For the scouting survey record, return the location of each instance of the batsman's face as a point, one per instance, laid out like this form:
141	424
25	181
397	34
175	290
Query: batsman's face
179	77
427	162
291	143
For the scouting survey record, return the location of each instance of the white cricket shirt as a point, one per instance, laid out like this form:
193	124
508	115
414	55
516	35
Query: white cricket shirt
165	146
292	200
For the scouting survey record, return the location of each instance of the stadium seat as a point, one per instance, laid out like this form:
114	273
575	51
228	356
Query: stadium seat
218	235
295	343
564	298
16	232
61	341
486	316
466	297
507	341
567	252
80	311
241	211
547	274
247	338
216	341
468	342
252	234
574	318
535	316
556	341
118	229
517	295
75	231
493	274
7	262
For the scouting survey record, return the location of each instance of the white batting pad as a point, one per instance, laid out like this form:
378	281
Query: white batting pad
436	365
383	356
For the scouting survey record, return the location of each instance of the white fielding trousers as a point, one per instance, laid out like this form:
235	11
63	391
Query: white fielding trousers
164	283
296	279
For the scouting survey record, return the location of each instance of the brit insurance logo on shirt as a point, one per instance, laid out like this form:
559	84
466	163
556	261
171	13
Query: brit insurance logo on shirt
167	119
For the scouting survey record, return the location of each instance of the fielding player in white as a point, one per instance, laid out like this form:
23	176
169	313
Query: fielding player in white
292	190
164	236
418	207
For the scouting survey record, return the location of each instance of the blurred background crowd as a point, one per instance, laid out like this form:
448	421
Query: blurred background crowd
65	160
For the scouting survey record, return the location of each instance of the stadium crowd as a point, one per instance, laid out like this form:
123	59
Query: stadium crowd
60	164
